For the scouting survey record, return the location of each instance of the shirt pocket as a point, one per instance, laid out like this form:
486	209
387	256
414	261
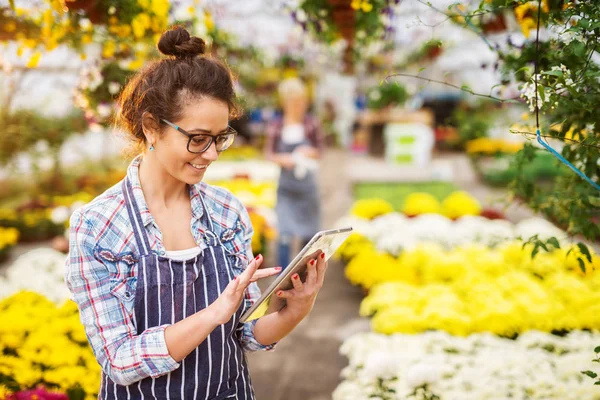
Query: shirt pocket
124	291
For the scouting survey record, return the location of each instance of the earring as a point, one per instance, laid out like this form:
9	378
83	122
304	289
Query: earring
151	148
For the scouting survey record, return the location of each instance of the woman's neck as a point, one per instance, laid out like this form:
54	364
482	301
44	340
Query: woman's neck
159	187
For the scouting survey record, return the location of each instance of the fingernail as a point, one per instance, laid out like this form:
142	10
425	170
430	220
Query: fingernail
279	293
277	268
312	262
322	255
257	257
235	278
295	276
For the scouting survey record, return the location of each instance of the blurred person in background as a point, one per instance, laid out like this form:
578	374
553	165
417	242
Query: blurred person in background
161	264
295	142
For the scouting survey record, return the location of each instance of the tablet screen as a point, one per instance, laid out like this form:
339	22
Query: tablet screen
324	241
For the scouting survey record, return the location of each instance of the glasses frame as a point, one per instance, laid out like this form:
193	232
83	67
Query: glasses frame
212	138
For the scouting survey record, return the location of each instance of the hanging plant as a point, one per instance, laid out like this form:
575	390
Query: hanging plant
98	88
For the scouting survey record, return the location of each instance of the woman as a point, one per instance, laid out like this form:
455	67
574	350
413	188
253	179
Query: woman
161	265
295	142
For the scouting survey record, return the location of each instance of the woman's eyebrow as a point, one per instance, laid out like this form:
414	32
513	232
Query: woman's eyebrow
205	130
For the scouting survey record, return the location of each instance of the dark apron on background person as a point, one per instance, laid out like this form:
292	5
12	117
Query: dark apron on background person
298	207
170	290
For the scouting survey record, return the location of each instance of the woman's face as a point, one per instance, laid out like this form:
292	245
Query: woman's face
206	116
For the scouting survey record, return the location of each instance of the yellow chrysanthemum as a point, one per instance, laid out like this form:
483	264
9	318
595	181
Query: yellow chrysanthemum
421	203
459	204
371	208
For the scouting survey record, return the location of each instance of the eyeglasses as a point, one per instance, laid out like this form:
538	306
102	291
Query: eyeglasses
199	142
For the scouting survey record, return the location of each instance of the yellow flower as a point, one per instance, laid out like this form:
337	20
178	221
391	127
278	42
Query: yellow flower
459	204
371	208
139	24
34	60
108	50
208	22
366	6
4	392
355	4
421	203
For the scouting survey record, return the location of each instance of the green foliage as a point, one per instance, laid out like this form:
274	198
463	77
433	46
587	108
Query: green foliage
387	94
472	122
542	168
24	128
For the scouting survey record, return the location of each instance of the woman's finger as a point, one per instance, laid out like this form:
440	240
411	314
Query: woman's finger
264	273
321	268
297	282
311	273
285	294
245	276
232	285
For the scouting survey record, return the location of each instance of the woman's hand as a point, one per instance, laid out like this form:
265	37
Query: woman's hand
301	298
229	301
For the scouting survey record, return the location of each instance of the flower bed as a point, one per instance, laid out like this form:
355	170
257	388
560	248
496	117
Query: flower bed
454	205
474	289
48	267
393	232
29	359
436	365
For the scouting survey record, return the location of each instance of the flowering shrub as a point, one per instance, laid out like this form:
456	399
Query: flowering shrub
459	204
535	366
28	357
475	289
421	203
47	265
371	208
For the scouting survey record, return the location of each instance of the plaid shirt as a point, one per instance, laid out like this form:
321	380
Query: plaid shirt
101	274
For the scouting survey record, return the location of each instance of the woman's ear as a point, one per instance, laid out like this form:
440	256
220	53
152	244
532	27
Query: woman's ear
151	127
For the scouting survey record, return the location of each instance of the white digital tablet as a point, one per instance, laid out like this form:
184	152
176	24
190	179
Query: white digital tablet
323	242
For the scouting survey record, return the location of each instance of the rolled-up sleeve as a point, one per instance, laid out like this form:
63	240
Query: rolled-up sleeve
124	356
253	293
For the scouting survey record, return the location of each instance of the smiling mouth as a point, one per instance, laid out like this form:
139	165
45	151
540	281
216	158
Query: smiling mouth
199	167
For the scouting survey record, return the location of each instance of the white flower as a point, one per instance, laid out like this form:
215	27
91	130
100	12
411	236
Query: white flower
114	87
60	215
375	95
104	110
422	374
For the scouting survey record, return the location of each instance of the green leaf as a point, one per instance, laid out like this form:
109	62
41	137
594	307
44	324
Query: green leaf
536	250
541	93
585	251
554	242
591	374
597	349
553	73
581	265
421	70
594	201
466	88
597	383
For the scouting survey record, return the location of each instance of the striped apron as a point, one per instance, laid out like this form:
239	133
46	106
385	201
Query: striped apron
168	291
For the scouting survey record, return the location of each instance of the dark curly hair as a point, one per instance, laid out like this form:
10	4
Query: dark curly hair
163	87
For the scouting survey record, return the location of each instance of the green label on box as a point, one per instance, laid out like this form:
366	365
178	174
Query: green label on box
406	140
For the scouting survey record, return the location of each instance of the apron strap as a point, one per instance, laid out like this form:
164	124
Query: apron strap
136	219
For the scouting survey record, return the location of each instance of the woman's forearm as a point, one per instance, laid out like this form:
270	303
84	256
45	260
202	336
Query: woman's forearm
184	336
273	327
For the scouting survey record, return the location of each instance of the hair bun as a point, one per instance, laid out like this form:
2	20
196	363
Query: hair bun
178	42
